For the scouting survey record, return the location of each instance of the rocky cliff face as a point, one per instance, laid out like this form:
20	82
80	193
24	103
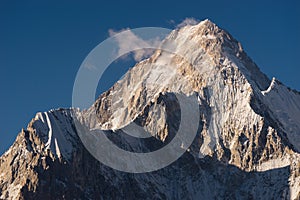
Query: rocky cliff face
246	146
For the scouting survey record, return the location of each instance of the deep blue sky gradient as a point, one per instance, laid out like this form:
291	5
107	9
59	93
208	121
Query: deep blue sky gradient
42	44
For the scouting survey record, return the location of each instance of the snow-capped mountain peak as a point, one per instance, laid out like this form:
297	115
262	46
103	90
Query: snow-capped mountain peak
246	145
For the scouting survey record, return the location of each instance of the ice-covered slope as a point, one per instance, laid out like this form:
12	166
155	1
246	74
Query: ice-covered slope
284	104
57	131
246	146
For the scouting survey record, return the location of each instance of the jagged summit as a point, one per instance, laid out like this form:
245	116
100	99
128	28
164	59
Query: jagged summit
204	23
246	144
205	31
218	44
205	27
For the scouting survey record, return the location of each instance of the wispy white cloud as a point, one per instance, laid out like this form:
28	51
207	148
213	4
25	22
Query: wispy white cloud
90	66
187	21
130	41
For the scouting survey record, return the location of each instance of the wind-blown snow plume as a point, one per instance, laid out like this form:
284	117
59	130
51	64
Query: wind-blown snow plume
187	21
132	41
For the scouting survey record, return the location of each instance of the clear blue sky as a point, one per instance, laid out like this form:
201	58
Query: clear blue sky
42	44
